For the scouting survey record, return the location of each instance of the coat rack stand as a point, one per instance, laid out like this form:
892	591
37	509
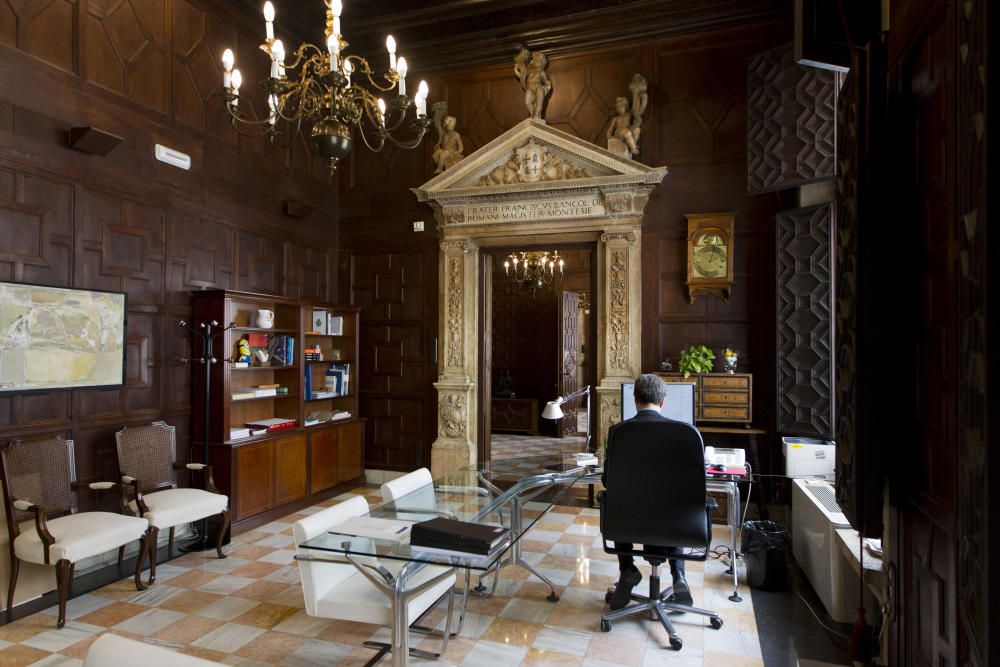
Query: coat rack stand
207	332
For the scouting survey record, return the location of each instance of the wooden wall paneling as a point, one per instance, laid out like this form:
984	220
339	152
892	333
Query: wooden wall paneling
42	29
805	343
792	118
198	39
36	221
308	273
261	260
124	49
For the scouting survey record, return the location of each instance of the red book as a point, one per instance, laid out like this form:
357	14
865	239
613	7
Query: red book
274	424
257	339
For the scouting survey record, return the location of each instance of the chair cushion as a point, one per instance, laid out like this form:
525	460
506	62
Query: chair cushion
357	599
171	507
79	536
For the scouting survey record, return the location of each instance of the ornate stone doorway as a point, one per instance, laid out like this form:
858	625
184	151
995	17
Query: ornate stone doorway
535	185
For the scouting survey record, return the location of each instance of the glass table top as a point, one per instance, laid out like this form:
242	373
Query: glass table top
513	493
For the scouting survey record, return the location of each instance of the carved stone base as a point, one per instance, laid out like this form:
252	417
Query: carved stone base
455	447
609	412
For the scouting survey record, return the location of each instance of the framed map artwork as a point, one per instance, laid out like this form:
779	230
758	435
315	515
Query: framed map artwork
60	338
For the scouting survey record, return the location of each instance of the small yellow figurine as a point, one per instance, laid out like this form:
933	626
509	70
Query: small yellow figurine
243	351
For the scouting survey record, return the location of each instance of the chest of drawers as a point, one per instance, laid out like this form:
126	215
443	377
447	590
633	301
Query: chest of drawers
720	397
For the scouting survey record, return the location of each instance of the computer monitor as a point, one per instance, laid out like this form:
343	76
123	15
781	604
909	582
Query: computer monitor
678	405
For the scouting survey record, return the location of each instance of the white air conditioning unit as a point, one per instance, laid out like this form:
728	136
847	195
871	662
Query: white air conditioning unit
815	518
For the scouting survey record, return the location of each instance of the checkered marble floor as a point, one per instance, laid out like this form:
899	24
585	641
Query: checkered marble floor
504	446
247	610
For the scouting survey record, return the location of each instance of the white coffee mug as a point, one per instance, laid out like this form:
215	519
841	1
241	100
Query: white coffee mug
265	319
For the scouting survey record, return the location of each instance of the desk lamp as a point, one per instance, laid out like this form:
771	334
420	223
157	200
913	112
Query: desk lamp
553	411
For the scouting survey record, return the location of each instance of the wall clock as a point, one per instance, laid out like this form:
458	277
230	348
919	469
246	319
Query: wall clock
710	255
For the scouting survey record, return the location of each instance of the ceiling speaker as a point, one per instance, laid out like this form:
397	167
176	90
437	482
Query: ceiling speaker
92	140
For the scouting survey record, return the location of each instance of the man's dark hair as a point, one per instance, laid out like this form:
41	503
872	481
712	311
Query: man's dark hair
649	389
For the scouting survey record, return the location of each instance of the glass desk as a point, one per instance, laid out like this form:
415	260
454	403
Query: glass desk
511	492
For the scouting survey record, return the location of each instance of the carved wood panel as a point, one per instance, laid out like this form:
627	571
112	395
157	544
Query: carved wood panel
792	118
569	347
124	49
804	350
43	28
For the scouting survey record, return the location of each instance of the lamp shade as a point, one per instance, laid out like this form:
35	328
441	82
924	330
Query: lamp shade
552	409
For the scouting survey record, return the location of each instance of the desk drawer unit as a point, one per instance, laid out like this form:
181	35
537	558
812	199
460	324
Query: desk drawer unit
720	397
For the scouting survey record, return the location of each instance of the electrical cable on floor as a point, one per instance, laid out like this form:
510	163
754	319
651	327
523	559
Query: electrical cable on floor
812	611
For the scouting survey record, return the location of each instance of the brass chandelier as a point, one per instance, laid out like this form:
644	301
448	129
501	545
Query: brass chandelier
534	268
315	86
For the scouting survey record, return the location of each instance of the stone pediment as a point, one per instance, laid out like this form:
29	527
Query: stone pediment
532	157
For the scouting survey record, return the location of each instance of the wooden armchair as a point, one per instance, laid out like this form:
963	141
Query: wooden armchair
39	486
147	459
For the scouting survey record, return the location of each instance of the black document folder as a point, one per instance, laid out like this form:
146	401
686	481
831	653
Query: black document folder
449	534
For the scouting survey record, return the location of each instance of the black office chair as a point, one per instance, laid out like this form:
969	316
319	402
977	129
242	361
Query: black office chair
656	496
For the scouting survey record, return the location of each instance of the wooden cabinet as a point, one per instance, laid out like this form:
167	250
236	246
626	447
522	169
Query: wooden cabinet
720	397
254	490
518	415
296	372
289	469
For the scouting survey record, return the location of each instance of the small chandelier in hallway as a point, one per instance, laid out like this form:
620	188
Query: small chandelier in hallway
534	268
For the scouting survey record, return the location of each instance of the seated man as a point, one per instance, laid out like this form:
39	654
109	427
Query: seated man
649	395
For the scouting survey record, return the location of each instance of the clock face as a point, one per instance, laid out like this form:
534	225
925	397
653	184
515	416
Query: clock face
710	257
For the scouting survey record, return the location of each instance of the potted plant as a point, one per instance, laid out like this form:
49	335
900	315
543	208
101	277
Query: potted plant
695	359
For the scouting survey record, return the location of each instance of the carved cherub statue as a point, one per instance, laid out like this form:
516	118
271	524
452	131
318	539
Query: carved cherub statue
626	126
450	149
530	71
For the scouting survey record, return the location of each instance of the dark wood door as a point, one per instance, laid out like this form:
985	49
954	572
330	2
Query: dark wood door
323	459
569	349
486	358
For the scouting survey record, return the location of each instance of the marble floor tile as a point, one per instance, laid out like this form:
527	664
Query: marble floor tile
21	656
532	611
150	622
56	640
225	585
279	541
227	608
507	631
272	647
56	660
279	557
493	653
80	606
318	653
188	630
302	624
562	640
228	638
154	596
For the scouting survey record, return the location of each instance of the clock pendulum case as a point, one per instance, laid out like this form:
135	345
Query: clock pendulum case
710	255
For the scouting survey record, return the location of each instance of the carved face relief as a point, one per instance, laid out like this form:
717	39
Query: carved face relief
453	416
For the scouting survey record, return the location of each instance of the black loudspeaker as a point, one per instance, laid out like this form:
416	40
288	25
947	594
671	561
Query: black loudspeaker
91	140
298	209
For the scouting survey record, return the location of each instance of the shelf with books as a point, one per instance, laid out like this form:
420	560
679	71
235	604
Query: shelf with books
265	470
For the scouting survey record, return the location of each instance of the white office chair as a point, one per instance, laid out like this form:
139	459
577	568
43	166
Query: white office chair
421	494
362	589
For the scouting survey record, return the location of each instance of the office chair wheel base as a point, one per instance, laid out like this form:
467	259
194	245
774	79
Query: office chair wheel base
552	597
716	622
676	643
605	626
480	588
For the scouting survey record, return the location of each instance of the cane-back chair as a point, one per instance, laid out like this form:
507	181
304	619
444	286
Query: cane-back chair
147	459
39	486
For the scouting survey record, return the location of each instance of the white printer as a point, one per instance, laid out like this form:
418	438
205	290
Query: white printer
808	457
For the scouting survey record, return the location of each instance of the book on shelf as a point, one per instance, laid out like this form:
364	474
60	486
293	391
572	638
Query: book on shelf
323	394
257	339
240	364
272	424
334	381
268	386
308	385
460	536
239	433
264	393
310	422
335	324
340	415
319	320
243	395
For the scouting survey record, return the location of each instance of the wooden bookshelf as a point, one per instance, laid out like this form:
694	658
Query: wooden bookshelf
268	472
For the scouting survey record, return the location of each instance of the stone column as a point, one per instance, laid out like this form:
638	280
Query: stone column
619	322
455	446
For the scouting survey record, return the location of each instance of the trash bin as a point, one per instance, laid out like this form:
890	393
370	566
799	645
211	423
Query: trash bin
765	548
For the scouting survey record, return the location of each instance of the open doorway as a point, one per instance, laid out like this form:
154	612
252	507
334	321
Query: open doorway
537	343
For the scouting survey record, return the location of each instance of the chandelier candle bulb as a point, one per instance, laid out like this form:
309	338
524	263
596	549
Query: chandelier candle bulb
272	104
381	111
336	7
401	68
237	81
333	46
278	60
269	20
390	45
227	68
422	92
348	70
